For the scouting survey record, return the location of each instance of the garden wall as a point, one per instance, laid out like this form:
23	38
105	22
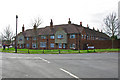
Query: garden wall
101	44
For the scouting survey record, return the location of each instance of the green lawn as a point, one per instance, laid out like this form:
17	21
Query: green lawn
62	51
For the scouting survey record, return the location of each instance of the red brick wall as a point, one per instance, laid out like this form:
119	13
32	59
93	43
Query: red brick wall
28	42
101	44
73	41
42	40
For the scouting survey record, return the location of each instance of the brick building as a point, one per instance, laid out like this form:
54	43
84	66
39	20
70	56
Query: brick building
64	36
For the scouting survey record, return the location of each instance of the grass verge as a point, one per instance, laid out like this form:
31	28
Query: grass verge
56	51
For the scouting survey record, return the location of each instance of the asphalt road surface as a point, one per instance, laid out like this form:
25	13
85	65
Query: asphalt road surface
92	65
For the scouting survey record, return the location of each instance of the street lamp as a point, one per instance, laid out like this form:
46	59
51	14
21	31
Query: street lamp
16	34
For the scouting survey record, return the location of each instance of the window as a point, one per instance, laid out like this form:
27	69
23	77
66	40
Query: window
60	45
72	36
82	36
23	45
27	38
33	45
43	37
52	45
20	46
87	37
63	45
27	45
20	39
34	38
42	44
72	46
52	37
60	36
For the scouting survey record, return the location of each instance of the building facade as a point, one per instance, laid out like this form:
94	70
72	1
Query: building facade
64	36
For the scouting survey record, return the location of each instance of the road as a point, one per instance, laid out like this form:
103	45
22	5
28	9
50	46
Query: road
92	65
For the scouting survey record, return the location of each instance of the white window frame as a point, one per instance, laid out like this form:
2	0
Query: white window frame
72	46
72	36
82	36
43	44
33	45
27	38
52	37
27	45
60	45
23	45
52	45
64	46
20	46
20	39
43	37
34	38
87	37
60	36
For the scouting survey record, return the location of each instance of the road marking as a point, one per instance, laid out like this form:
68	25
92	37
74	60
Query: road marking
44	60
31	58
69	73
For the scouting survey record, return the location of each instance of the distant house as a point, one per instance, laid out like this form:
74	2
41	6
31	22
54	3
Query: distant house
64	36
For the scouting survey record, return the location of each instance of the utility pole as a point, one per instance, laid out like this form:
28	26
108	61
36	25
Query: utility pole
16	34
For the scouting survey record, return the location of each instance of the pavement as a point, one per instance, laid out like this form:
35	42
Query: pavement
93	65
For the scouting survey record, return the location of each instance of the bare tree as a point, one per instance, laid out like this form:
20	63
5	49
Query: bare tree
111	25
37	21
7	35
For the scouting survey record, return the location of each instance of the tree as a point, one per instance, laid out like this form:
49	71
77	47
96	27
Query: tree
111	25
37	21
7	36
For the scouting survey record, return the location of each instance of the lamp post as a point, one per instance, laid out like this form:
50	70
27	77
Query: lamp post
16	34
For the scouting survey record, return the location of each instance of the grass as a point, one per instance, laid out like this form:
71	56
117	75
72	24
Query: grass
56	51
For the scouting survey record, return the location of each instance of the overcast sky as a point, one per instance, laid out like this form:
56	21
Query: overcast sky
91	12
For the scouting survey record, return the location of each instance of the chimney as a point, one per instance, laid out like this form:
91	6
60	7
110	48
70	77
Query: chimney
23	28
35	27
80	23
98	30
93	28
51	24
69	22
87	26
101	31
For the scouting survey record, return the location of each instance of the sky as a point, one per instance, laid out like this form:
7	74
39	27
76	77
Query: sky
91	12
